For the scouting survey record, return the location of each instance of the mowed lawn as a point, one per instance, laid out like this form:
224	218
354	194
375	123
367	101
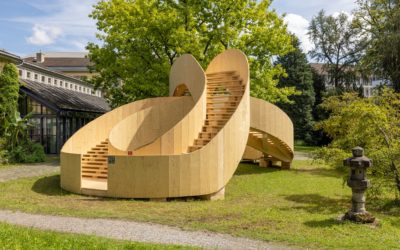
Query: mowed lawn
14	237
297	207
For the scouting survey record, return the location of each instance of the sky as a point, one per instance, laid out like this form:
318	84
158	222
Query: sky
29	26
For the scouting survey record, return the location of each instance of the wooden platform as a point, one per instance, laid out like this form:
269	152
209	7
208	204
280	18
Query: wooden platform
99	184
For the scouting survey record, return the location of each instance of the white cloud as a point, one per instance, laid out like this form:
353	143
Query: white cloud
349	15
44	35
298	25
61	24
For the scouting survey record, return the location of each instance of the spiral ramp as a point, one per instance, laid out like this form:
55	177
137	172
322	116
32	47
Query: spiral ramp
188	144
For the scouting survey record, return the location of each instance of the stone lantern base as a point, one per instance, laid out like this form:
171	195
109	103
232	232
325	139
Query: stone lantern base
363	217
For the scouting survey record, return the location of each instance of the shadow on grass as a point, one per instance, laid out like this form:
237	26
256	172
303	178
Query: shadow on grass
323	223
315	203
319	172
49	185
252	168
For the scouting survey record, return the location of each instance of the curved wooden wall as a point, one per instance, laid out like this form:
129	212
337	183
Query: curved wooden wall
149	139
277	130
202	172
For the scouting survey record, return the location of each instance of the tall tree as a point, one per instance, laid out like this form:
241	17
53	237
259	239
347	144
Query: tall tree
140	39
9	88
379	20
299	75
337	45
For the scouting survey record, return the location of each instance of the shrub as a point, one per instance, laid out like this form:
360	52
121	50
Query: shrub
27	153
372	123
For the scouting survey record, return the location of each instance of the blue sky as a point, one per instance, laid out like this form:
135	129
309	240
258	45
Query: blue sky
28	26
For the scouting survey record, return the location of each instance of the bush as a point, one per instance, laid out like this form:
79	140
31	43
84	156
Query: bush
27	153
372	123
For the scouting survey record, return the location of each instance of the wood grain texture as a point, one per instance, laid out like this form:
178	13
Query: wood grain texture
188	144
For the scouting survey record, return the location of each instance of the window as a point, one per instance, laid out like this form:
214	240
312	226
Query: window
61	83
70	86
36	76
20	72
33	107
49	80
80	88
28	74
76	87
55	82
43	79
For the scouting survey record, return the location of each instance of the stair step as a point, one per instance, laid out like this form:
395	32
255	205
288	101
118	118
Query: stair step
221	72
99	149
95	167
224	84
223	78
223	96
97	152
222	101
94	159
223	91
95	164
217	118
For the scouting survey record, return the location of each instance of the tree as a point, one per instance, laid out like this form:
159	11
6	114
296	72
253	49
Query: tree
9	89
142	38
319	137
299	75
337	45
371	123
379	21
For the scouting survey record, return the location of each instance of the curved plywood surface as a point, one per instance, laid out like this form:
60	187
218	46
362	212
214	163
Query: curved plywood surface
189	144
271	132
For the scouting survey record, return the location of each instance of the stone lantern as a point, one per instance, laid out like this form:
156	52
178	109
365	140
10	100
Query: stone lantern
358	183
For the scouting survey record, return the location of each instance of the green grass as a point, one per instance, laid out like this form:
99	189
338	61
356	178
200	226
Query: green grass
15	237
297	207
305	149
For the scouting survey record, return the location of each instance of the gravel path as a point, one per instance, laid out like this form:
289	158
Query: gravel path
24	171
133	231
118	229
302	156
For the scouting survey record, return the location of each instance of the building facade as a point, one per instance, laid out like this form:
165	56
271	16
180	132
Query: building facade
367	83
72	64
58	105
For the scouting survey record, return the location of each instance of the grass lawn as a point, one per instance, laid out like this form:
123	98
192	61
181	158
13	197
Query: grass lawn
305	149
297	207
14	237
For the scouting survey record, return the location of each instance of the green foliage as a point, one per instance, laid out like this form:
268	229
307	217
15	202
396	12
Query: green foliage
339	46
379	21
299	75
371	123
15	145
142	38
9	88
27	153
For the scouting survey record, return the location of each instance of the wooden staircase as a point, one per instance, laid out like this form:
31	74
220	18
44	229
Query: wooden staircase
224	92
94	162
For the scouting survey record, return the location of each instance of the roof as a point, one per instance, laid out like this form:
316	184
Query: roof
64	99
50	54
61	62
10	56
319	68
